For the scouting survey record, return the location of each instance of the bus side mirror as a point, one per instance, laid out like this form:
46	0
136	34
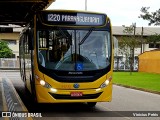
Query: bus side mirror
30	39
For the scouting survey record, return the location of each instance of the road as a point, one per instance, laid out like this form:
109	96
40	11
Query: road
125	104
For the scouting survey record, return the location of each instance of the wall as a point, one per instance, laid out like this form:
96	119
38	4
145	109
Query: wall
12	36
149	62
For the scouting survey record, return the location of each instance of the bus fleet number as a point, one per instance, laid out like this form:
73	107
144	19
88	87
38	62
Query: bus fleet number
53	17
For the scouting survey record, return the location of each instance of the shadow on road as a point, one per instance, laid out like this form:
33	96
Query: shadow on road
61	109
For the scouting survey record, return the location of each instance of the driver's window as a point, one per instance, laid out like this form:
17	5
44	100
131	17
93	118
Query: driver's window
54	44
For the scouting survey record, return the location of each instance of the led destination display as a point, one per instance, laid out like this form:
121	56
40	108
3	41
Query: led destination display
74	18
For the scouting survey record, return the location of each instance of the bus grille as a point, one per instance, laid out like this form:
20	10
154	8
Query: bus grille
85	96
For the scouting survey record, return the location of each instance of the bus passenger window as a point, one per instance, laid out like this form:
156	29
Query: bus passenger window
41	59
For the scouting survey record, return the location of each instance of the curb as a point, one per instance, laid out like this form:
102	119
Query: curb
135	88
11	102
9	68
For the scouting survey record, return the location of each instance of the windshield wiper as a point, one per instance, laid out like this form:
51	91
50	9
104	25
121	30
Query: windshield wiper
86	36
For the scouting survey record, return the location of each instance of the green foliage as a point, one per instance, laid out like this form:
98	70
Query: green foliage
128	30
128	43
129	40
153	17
5	51
154	39
148	81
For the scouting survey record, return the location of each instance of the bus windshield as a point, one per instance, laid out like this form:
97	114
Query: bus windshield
74	50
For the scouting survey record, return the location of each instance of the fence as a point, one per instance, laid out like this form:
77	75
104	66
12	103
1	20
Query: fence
122	63
12	63
9	63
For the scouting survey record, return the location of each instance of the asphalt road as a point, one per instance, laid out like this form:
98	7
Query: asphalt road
127	104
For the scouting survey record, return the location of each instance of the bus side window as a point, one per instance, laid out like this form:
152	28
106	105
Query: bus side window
41	59
30	39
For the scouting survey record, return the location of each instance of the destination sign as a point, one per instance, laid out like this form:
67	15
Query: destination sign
74	18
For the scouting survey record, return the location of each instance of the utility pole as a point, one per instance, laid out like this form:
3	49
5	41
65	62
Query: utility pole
85	5
142	47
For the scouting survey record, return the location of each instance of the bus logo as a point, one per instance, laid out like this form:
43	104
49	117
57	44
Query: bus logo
76	85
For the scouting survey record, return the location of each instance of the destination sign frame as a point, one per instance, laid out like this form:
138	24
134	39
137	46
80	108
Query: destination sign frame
70	18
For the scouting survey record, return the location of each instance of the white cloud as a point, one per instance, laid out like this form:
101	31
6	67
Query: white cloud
121	12
68	4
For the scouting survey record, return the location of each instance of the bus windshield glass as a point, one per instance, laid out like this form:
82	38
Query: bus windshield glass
74	50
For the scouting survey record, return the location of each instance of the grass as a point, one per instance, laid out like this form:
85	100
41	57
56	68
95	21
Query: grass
147	81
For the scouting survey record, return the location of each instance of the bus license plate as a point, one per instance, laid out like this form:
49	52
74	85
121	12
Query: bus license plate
76	94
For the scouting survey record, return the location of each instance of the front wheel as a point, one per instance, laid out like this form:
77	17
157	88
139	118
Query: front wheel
91	104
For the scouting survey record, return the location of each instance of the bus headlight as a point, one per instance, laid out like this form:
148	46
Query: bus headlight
98	89
53	90
42	82
45	84
106	83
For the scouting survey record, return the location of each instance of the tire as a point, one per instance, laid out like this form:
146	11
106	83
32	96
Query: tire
91	104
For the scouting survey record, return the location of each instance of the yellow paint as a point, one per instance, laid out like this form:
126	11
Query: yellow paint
86	88
149	62
66	88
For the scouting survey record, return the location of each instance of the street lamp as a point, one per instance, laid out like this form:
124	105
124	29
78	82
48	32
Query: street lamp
86	5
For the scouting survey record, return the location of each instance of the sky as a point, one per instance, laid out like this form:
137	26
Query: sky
121	12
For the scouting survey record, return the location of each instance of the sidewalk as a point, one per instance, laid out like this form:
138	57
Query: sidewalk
11	105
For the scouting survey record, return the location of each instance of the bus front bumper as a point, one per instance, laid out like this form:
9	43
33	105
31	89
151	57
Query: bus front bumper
45	95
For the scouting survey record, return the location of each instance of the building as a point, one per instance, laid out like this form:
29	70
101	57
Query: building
149	61
147	31
12	38
121	61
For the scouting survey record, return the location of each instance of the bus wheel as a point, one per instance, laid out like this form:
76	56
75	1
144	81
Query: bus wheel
91	104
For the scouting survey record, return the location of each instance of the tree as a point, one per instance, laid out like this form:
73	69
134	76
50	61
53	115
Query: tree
152	17
123	50
129	42
154	39
5	51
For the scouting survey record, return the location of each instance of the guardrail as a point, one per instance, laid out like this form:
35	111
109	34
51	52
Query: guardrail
13	63
9	63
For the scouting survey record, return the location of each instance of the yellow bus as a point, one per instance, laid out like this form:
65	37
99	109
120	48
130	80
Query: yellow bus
67	56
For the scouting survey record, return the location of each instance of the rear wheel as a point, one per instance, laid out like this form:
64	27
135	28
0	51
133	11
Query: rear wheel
91	104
